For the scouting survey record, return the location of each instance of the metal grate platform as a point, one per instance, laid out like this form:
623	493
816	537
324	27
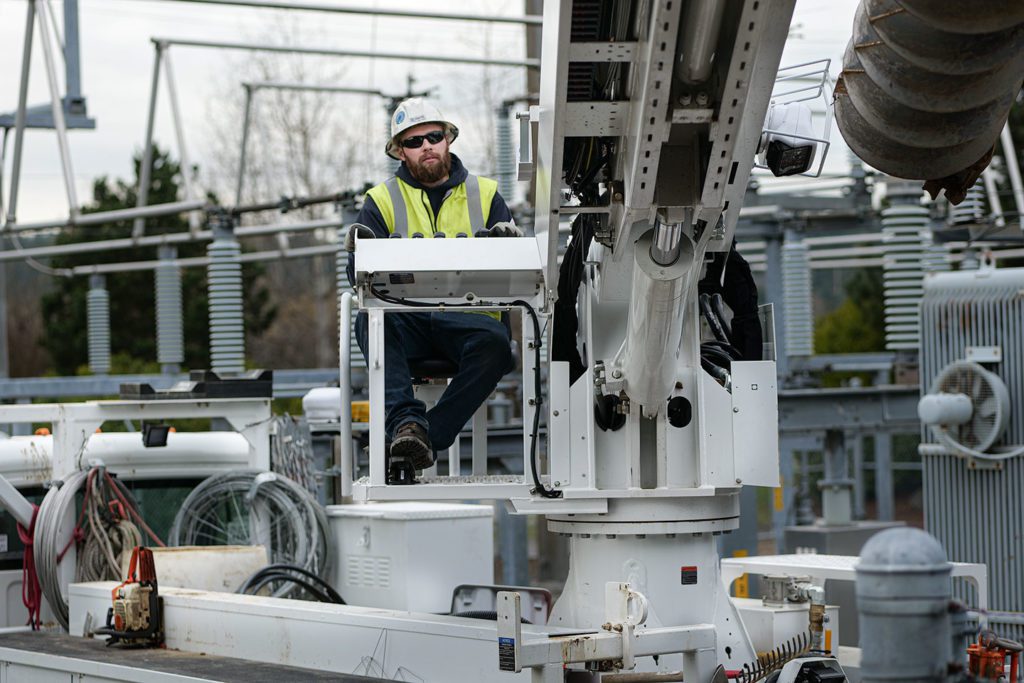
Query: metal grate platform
462	487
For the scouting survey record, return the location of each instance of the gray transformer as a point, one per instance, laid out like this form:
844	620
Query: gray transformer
972	345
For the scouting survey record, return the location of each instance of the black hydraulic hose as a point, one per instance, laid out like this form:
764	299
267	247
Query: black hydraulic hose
539	487
716	356
305	585
718	306
281	568
727	349
713	322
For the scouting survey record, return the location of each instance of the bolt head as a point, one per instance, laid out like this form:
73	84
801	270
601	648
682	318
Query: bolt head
617	374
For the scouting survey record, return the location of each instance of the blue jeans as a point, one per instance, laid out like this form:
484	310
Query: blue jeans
477	344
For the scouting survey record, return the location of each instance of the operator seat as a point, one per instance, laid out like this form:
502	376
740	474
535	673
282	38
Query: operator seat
429	379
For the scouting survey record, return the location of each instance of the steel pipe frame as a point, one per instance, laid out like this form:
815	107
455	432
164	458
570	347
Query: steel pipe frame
345	466
250	257
529	20
1010	154
162	44
328	52
147	150
250	92
159	240
42	11
19	116
194	222
988	177
286	383
39	9
110	216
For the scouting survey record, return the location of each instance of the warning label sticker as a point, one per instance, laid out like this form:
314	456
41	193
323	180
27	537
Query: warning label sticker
506	654
401	278
688	576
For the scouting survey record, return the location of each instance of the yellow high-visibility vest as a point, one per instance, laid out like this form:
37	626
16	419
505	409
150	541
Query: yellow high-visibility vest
406	210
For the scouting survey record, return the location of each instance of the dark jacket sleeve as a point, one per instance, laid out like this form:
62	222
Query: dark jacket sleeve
499	213
371	217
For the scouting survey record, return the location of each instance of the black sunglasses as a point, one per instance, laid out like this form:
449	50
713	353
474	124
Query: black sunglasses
416	141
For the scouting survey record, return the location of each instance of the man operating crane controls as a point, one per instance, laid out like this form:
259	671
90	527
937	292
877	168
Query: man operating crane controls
433	195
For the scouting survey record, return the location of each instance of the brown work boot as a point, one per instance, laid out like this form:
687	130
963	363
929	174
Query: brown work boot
411	442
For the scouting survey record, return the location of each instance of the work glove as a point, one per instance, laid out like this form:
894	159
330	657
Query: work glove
505	229
357	229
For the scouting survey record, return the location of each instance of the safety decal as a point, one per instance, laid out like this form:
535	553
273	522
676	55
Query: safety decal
401	278
688	576
506	654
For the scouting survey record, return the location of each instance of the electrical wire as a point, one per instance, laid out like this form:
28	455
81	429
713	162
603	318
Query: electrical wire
36	265
253	507
291	451
51	537
112	537
106	530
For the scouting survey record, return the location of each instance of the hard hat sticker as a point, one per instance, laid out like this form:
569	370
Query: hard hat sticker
399	117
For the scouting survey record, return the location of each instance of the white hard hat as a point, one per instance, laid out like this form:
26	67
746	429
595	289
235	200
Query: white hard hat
412	112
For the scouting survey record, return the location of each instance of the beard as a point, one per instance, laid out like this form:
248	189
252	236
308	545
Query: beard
431	173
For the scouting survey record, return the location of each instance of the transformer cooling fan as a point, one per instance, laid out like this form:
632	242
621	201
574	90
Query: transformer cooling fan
968	407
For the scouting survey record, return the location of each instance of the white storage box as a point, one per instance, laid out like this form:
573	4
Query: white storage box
218	568
771	625
410	556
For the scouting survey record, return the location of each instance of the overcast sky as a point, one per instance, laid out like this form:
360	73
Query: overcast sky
117	57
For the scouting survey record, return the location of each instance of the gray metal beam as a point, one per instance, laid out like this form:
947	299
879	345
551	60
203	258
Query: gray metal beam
774	295
844	362
146	167
57	105
856	442
529	20
101	217
889	408
311	87
329	52
19	117
159	240
203	261
884	490
250	93
74	109
72	64
287	383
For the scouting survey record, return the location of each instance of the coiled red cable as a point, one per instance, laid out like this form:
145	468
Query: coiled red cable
31	592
